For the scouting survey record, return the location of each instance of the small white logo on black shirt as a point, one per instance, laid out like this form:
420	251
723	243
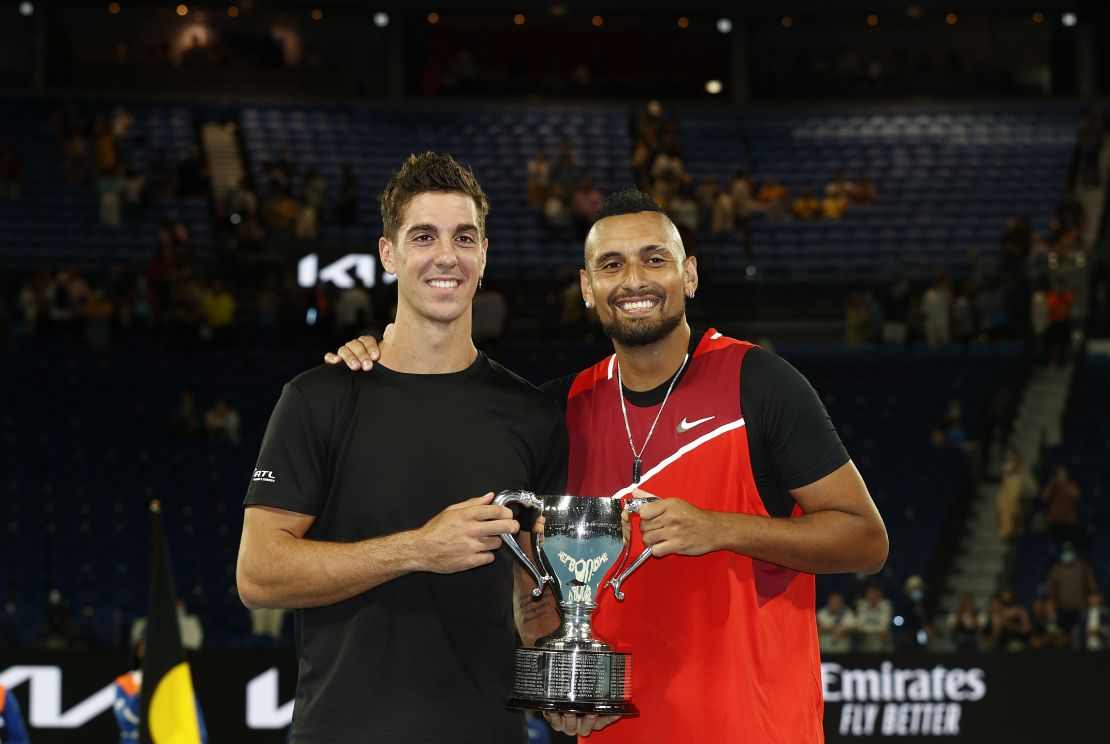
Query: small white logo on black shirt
263	476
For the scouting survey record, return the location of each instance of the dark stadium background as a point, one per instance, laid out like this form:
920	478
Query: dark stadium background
977	122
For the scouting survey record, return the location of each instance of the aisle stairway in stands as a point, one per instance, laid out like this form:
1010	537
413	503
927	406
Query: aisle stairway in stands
983	559
225	161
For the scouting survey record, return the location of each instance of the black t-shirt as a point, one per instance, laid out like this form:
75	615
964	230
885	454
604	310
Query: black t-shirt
791	439
424	657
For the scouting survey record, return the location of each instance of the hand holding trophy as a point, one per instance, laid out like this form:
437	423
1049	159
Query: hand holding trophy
573	670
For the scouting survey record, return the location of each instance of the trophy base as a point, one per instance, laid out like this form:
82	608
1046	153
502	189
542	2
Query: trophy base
573	681
581	707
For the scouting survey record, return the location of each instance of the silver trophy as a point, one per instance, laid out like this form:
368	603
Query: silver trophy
572	670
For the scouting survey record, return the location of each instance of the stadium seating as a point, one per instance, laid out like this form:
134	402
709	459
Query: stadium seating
54	223
946	181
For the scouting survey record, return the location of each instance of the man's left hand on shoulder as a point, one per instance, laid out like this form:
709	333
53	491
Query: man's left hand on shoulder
677	526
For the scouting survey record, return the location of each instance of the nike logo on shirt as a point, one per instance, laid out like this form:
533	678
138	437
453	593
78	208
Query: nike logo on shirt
685	426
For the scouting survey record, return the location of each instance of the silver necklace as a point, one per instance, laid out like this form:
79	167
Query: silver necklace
637	463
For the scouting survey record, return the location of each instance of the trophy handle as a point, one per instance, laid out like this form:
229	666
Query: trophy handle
615	582
529	500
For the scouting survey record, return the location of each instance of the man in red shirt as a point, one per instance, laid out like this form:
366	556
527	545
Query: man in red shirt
757	496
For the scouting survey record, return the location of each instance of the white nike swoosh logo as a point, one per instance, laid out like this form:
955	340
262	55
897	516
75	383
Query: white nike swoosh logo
685	426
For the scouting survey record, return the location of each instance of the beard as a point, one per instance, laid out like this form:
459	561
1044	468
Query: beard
640	331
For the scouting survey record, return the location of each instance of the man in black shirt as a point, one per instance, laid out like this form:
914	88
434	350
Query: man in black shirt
370	510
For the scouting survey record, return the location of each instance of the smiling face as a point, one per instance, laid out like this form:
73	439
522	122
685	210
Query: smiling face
638	276
438	254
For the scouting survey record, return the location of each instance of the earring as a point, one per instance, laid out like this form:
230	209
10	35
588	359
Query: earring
589	304
479	282
690	295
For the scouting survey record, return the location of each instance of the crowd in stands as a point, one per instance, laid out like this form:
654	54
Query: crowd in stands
1070	614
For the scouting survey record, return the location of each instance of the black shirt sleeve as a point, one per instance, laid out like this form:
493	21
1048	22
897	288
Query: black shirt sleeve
291	467
558	390
791	439
551	477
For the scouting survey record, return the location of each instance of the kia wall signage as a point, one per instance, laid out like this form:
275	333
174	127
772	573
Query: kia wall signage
247	697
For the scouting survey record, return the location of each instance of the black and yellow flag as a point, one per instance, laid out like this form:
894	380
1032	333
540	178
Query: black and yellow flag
167	707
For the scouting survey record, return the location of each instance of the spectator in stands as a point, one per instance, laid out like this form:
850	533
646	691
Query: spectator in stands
315	190
1009	626
31	303
723	217
188	624
346	206
184	422
172	234
268	621
121	123
1045	629
807	206
864	192
966	624
192	174
1039	319
1093	631
75	158
490	313
1069	582
564	172
1088	147
836	625
304	227
218	308
221	422
773	198
963	317
280	211
667	166
953	425
556	213
586	201
59	631
98	313
539	178
684	214
110	186
132	191
240	200
856	321
353	311
840	186
936	307
105	154
917	631
66	296
1061	504
743	200
1060	302
873	618
642	155
834	205
11	173
1017	484
159	178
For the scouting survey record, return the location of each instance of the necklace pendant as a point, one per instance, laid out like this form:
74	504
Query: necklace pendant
636	469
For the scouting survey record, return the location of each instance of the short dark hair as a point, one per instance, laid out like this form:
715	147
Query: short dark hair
629	201
423	173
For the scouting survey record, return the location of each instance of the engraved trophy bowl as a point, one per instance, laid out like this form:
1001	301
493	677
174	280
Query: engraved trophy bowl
573	670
